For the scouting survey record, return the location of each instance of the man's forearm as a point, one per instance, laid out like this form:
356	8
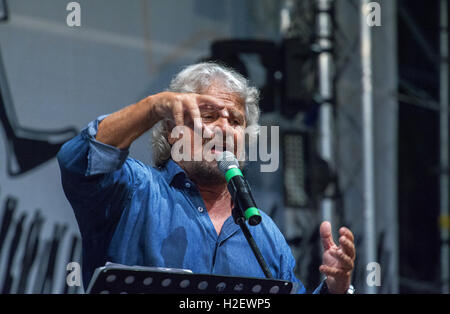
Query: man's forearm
123	127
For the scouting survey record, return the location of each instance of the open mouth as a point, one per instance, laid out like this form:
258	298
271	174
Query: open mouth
216	149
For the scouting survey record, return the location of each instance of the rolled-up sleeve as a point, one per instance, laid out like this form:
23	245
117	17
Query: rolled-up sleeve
87	156
97	179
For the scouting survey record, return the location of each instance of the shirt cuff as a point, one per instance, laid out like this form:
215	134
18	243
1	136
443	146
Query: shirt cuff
102	158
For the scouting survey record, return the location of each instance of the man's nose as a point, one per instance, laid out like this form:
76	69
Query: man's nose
223	124
223	121
222	130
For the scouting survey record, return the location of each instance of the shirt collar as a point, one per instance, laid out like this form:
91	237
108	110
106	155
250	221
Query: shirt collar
172	171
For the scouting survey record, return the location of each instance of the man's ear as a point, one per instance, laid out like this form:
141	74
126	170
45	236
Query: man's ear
171	140
169	125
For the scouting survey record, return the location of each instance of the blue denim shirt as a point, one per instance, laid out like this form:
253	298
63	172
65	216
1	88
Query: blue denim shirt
134	214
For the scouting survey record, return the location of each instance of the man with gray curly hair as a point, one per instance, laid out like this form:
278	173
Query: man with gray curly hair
243	110
177	213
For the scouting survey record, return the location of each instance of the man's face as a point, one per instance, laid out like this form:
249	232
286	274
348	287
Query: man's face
223	129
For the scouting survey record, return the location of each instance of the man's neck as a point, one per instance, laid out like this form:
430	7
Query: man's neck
215	194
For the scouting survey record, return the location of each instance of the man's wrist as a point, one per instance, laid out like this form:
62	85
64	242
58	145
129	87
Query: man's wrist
324	289
150	104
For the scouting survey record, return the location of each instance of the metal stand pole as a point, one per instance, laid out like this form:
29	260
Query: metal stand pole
444	149
239	219
368	141
324	46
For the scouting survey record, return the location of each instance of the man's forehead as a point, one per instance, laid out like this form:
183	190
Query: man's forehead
229	98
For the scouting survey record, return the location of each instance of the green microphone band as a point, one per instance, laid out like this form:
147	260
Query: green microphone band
232	173
250	212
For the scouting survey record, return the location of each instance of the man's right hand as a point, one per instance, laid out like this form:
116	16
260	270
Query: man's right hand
176	106
123	127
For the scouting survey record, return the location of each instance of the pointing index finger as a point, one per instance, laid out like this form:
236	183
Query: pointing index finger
177	112
195	115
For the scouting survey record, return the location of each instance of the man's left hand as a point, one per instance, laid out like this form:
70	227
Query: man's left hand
338	261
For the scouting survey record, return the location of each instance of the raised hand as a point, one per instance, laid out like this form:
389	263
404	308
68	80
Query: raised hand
176	106
121	128
338	261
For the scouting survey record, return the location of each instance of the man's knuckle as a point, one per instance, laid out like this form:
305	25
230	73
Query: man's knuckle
177	97
177	113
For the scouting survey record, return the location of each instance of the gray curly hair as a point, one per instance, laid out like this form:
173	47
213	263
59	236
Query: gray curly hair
198	78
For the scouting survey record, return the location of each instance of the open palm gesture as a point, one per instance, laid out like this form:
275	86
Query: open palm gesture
337	261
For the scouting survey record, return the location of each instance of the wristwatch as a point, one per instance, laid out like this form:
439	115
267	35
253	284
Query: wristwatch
351	290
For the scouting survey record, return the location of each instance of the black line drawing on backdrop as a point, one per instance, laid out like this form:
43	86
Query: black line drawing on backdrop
26	148
23	243
31	249
48	265
9	279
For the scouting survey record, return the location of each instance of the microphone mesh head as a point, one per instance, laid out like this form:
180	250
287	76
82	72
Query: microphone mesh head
227	160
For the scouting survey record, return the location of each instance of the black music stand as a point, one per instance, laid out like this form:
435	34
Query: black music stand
121	279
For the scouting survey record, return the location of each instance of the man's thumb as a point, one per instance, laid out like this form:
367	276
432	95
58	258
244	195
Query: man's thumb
326	235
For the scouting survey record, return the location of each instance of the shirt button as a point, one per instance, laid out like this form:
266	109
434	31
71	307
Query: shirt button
200	209
187	185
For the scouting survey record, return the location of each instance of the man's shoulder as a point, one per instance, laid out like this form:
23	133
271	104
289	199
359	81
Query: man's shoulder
268	223
142	171
271	228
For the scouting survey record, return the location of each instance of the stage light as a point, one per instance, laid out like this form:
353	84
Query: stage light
295	162
306	176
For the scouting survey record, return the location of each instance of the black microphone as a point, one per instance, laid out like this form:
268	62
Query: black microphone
238	187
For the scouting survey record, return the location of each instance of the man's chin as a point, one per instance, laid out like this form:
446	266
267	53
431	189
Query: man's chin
203	172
